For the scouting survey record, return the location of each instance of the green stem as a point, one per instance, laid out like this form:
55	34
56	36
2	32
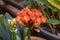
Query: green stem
48	11
22	33
43	11
13	35
53	14
54	27
29	34
53	31
46	15
59	14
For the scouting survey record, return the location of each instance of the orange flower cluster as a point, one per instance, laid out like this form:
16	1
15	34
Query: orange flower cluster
28	16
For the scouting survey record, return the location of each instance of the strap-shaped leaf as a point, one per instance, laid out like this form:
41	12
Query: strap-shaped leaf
7	16
45	2
2	28
21	31
3	33
2	19
53	21
55	3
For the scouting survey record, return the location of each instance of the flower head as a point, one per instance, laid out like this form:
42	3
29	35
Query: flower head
12	25
29	16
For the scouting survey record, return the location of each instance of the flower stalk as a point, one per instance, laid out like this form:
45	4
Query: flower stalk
13	34
29	34
12	28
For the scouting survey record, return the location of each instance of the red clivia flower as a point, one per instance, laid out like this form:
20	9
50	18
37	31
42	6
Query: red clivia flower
28	16
43	19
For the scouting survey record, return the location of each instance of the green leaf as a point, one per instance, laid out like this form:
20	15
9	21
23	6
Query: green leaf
22	31
55	3
3	33
45	2
7	16
18	32
3	28
2	18
53	21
